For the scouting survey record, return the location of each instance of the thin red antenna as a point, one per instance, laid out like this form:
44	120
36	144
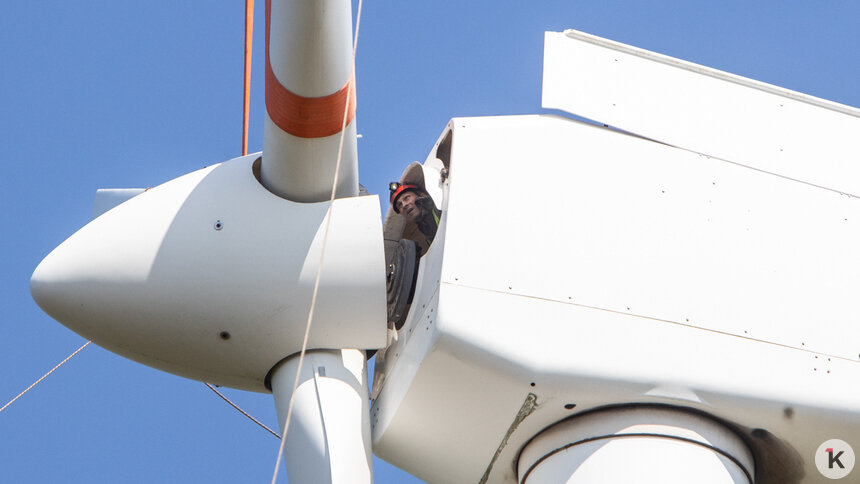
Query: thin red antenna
246	101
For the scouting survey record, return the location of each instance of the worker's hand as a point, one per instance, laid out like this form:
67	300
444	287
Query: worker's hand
425	203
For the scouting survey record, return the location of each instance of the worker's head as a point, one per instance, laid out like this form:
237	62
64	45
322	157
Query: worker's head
404	197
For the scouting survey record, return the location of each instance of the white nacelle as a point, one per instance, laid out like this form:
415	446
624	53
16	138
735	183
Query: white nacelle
592	268
210	276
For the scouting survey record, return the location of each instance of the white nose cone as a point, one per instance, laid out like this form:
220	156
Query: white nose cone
210	276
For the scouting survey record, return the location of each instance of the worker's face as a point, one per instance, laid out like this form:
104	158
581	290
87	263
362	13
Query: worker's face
407	207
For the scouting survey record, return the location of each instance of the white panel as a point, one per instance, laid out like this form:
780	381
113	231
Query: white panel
586	215
596	268
704	110
108	198
490	346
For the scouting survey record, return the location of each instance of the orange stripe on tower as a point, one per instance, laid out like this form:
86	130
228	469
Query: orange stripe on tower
305	117
246	98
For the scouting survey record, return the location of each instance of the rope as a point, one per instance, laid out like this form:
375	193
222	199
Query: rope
45	375
246	99
322	252
261	424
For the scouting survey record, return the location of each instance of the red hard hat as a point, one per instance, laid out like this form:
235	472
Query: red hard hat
399	190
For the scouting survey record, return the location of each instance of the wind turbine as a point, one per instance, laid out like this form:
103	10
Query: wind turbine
667	395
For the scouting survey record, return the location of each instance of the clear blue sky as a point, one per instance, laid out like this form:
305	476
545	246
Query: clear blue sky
131	94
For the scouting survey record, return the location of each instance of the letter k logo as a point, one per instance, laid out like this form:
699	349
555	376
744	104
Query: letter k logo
834	459
831	459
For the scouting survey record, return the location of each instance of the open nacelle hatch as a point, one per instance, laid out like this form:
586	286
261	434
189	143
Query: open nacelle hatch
431	177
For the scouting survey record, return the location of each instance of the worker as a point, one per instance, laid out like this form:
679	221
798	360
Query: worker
415	205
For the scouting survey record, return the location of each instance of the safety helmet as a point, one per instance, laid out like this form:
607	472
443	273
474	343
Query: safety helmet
397	189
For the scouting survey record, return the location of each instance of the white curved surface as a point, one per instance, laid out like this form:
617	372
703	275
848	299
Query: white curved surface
643	445
157	280
310	51
328	441
310	45
302	169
